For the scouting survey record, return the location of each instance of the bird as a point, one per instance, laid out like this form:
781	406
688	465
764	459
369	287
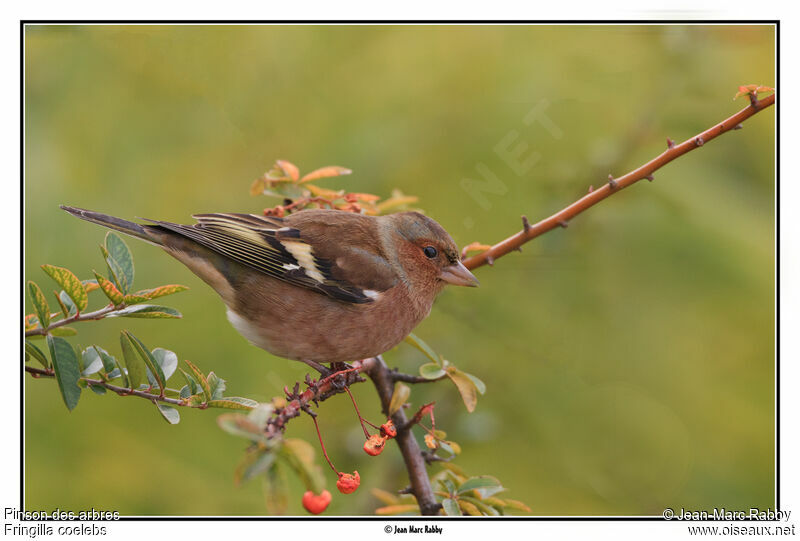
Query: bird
317	286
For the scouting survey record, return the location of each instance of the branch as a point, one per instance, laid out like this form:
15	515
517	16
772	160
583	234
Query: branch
412	455
122	391
614	185
97	314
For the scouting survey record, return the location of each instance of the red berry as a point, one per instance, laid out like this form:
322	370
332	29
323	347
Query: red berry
374	445
348	483
316	503
388	429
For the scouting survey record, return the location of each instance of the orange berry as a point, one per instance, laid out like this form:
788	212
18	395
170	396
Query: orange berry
388	429
348	482
374	445
316	503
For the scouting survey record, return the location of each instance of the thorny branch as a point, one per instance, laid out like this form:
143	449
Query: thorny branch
614	185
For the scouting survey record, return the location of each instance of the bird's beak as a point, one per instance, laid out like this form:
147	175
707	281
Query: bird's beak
458	275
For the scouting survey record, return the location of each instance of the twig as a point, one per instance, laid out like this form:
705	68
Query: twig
122	391
97	314
410	378
614	185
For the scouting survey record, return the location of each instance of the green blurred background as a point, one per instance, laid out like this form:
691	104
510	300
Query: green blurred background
629	359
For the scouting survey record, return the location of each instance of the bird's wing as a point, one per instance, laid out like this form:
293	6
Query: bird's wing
269	245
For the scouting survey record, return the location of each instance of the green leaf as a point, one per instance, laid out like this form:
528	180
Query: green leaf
465	385
40	305
109	289
479	385
36	353
170	414
63	331
255	462
137	369
161	291
233	403
451	508
167	360
121	373
121	255
92	363
61	304
216	385
149	360
415	341
70	284
65	363
97	389
108	361
147	311
399	397
431	371
194	388
261	414
299	454
239	425
478	482
201	379
483	507
276	490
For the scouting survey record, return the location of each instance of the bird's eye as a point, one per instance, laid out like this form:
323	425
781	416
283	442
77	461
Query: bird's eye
430	252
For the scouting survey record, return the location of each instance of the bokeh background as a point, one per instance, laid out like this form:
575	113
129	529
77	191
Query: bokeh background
629	359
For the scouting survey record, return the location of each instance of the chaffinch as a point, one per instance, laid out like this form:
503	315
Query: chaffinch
316	286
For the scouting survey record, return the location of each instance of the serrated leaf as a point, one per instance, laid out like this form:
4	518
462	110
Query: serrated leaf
67	372
420	344
170	414
431	371
276	490
325	172
397	509
137	369
40	305
465	386
399	397
478	482
63	331
451	508
92	363
109	289
201	379
147	311
167	360
70	284
149	360
233	403
121	255
36	353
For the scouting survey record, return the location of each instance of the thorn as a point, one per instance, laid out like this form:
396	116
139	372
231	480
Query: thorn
591	188
563	223
526	225
611	182
519	249
490	260
650	178
699	141
738	127
670	143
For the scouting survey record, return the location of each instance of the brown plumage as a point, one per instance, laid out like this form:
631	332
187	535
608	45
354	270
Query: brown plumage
318	285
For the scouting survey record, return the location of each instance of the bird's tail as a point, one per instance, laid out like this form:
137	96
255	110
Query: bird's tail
124	226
